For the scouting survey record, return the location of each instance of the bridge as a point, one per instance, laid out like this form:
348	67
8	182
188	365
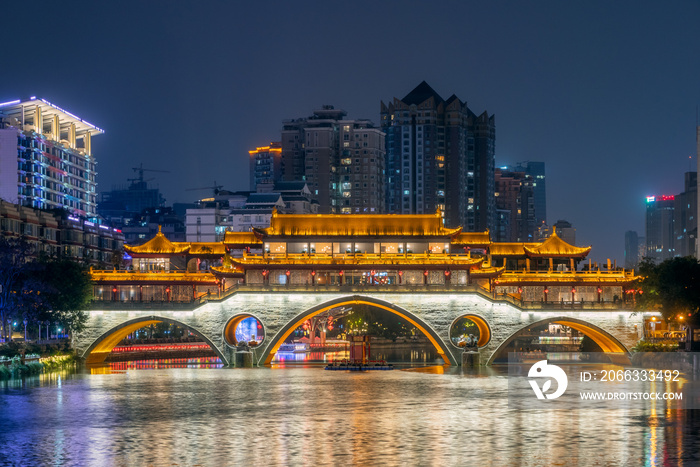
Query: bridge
283	309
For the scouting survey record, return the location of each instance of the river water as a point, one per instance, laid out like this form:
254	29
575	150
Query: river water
156	414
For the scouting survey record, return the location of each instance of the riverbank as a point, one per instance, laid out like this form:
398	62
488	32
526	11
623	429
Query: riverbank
32	364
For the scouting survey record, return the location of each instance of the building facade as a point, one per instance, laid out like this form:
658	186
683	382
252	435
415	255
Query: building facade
59	233
46	158
685	222
341	160
631	249
265	164
659	227
515	203
440	155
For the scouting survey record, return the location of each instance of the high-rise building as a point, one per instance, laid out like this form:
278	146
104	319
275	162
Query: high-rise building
536	171
659	227
440	155
341	160
685	223
515	203
631	249
46	158
265	164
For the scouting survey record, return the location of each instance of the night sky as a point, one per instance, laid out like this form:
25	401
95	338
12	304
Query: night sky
605	93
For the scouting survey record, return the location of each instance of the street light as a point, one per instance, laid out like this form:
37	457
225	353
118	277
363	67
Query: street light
25	329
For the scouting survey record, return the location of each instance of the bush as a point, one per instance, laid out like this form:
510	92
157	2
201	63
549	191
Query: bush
5	373
644	346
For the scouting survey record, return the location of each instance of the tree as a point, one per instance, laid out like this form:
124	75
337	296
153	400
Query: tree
672	287
69	290
14	254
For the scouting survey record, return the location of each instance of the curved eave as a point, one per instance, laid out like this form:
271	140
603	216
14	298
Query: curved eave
533	253
348	264
567	279
489	272
227	272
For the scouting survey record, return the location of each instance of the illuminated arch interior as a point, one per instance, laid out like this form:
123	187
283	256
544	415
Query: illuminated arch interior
607	342
481	325
439	346
603	339
97	353
230	329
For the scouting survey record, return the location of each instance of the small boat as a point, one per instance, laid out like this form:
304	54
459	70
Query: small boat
295	347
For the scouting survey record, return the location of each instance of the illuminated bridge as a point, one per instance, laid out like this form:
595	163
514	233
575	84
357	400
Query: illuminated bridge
409	265
282	311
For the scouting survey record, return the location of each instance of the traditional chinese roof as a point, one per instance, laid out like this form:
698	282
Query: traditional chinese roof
367	225
206	248
158	245
233	239
153	277
509	249
555	246
419	261
472	239
567	278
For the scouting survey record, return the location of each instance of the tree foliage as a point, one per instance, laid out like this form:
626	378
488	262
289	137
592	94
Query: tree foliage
50	289
672	287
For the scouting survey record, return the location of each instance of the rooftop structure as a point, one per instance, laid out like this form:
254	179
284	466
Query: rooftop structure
46	158
381	250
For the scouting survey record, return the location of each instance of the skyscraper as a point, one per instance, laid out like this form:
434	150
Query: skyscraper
341	160
685	222
631	249
515	202
440	155
536	171
659	227
46	158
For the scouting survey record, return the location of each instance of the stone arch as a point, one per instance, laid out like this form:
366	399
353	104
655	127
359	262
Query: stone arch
606	341
103	345
298	320
481	324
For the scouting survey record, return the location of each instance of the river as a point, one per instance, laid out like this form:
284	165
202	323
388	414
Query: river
131	415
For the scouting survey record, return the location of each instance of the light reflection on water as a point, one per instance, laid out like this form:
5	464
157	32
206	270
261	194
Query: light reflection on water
439	416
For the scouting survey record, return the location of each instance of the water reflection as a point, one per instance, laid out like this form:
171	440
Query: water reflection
447	416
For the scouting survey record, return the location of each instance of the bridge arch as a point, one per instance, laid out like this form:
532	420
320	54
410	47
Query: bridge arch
298	320
607	342
97	351
481	324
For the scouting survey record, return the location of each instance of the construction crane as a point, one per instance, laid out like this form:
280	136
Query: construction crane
140	170
215	187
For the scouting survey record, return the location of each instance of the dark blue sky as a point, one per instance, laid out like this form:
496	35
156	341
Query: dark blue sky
605	93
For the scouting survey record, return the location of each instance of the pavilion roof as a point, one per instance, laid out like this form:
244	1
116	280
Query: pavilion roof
555	246
158	245
472	239
369	225
241	238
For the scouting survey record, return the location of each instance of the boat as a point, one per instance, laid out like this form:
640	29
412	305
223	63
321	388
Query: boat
294	347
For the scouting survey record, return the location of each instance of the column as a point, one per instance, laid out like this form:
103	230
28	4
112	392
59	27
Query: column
38	120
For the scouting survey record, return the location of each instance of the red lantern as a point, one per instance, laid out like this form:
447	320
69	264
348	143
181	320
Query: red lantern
425	273
287	272
546	290
114	290
573	290
313	273
341	273
373	273
400	273
520	290
447	273
599	290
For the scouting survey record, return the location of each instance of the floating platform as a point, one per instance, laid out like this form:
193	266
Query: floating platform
360	367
